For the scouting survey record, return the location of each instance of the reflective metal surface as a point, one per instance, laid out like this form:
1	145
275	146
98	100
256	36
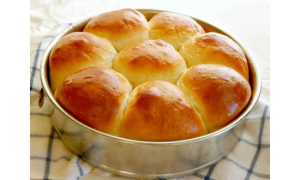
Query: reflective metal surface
140	159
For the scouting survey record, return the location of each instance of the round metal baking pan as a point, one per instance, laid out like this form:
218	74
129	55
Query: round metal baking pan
141	159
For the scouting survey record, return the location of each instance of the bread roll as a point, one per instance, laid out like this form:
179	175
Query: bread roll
122	27
217	92
77	51
159	111
173	28
96	96
149	60
214	48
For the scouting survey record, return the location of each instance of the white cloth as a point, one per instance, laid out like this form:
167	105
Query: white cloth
251	157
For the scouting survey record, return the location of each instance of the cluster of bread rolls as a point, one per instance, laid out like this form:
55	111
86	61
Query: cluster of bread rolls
159	80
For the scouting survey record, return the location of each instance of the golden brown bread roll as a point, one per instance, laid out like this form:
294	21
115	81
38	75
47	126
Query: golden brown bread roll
122	27
211	94
96	96
149	60
214	48
77	51
217	92
173	28
159	111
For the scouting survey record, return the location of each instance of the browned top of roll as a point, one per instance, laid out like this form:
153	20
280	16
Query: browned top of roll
150	54
149	60
78	47
173	22
95	97
215	48
76	51
159	111
122	27
217	92
173	28
120	22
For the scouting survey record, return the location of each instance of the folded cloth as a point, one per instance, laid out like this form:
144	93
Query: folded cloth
50	159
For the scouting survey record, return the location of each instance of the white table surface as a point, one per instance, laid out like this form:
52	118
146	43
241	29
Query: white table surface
246	20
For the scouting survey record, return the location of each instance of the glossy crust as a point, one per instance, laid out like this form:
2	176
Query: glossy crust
150	60
211	94
173	28
159	111
214	48
122	27
217	92
77	51
96	96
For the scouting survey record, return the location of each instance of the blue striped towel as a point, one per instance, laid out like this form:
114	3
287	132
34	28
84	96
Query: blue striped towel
50	159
